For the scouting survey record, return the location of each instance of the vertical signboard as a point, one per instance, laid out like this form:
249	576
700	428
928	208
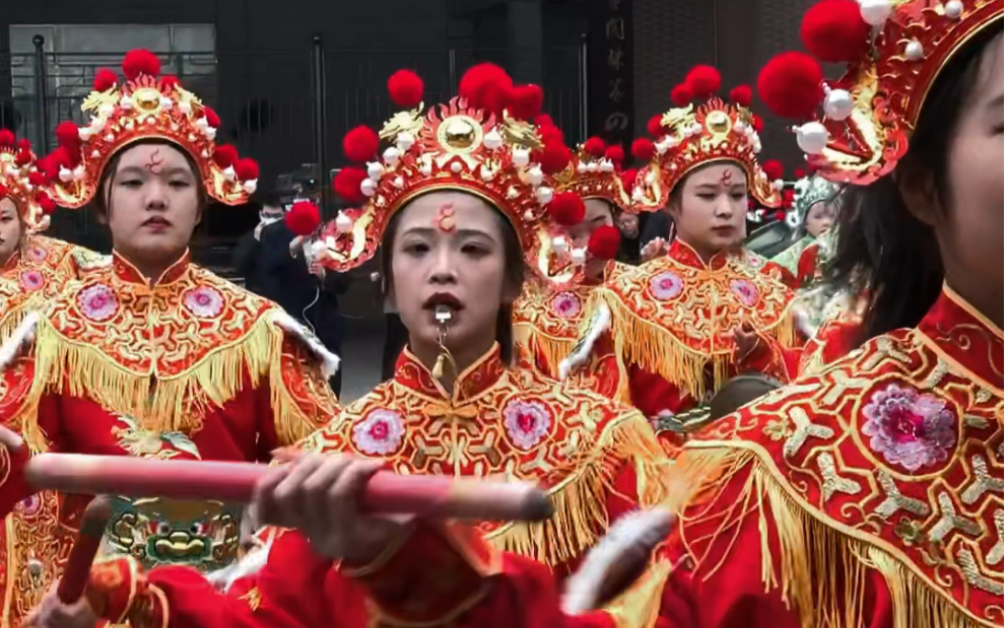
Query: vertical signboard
611	105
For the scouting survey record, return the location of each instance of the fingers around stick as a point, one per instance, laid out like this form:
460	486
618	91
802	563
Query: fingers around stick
288	496
343	496
263	496
316	488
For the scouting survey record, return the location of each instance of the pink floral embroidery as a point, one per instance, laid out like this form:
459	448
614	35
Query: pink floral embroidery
203	301
908	428
745	291
666	285
32	280
98	302
30	505
566	304
526	422
379	434
37	254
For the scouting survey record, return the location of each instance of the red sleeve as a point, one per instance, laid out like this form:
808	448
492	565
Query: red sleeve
295	589
13	484
446	574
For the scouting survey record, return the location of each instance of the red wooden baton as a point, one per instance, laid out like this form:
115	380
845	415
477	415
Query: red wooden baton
78	565
386	492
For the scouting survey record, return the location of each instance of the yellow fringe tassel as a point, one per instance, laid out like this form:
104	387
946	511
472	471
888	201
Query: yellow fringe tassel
536	344
819	571
655	349
580	501
160	403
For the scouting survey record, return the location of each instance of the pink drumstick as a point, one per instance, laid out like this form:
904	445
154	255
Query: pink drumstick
78	564
386	492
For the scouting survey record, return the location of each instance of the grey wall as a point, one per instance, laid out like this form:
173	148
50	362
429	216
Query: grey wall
264	51
737	36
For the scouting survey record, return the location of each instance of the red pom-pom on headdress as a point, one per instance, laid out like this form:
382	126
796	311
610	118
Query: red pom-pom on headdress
655	126
799	173
773	169
594	147
246	169
788	197
615	154
38	179
741	95
757	122
105	79
791	85
628	179
405	88
681	95
566	209
303	218
46	203
24	144
604	242
361	144
23	157
7	137
211	117
347	185
139	62
834	31
543	120
704	81
170	81
486	86
643	149
553	158
3	191
67	135
551	134
225	155
525	102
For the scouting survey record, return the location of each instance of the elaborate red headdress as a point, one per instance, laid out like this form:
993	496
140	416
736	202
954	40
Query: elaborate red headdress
594	171
894	49
691	135
484	141
24	183
144	106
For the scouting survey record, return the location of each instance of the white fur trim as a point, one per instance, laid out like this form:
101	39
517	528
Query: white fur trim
642	529
802	321
252	563
581	353
22	336
329	361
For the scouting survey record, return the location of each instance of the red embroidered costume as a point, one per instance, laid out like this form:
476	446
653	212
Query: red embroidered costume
672	319
551	311
597	458
184	365
868	494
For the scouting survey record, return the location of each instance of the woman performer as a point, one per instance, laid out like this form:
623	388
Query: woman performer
150	355
685	323
454	207
33	268
869	494
574	258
